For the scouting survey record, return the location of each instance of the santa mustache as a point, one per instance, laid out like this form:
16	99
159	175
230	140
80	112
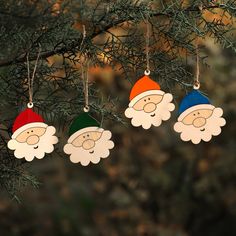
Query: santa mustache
29	152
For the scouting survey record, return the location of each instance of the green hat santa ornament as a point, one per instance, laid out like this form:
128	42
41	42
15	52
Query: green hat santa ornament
88	142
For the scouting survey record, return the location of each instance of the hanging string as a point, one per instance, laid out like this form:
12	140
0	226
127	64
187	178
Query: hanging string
196	81
147	71
84	36
85	76
196	84
31	79
85	73
28	72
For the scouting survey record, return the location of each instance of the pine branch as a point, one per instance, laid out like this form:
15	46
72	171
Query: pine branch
115	37
63	50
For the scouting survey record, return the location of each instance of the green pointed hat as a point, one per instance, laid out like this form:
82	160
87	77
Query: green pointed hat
84	120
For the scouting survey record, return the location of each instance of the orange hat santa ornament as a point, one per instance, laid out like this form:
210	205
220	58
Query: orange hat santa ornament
31	137
149	105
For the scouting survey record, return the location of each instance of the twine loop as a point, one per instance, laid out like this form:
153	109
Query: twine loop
85	74
196	83
31	78
147	50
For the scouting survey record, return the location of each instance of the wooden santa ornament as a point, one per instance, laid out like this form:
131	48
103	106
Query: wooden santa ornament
149	105
88	142
31	137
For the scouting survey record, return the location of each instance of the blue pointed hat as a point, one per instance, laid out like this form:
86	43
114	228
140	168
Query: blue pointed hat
192	99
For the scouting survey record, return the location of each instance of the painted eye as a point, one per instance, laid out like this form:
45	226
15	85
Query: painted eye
149	99
84	136
27	132
145	100
194	114
32	131
87	135
198	113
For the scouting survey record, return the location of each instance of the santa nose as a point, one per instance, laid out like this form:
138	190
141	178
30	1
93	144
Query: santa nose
199	122
33	139
149	107
88	144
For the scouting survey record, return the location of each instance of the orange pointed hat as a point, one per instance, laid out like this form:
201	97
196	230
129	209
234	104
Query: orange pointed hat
142	88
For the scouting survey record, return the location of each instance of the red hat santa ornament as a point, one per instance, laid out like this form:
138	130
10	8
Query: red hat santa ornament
31	137
149	105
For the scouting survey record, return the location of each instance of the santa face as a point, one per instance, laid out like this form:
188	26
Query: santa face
34	141
150	109
89	145
200	122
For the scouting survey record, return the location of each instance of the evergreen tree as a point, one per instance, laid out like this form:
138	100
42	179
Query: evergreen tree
115	37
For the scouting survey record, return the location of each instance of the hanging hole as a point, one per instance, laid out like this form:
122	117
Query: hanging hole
30	105
196	85
86	109
147	72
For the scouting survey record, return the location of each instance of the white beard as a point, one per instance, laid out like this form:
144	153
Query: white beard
162	113
101	150
45	145
212	128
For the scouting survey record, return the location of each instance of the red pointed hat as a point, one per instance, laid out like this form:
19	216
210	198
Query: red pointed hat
27	119
144	87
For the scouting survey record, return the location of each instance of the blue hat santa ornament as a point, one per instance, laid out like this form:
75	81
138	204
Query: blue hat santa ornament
194	100
198	119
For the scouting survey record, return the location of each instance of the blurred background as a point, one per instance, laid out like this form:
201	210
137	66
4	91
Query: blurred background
152	184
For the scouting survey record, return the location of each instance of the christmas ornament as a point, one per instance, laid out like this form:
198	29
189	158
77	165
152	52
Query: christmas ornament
31	137
88	142
149	105
198	119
